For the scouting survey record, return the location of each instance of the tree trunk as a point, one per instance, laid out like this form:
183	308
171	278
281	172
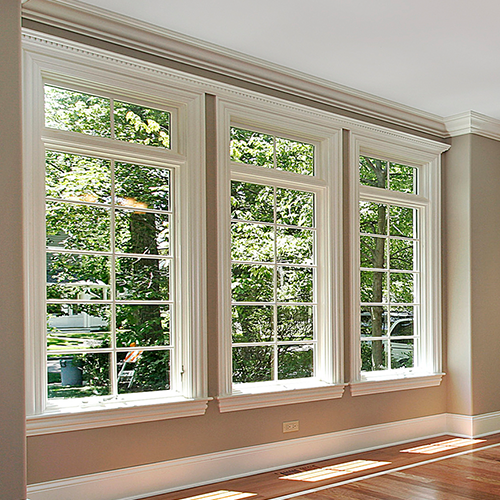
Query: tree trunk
143	240
380	169
378	291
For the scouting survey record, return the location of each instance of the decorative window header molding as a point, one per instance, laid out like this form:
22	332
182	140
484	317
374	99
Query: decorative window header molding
73	51
94	22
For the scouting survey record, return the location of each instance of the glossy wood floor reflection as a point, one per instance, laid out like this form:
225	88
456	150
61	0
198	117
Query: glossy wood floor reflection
443	468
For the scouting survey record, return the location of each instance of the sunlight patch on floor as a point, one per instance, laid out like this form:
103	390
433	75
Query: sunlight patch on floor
222	495
441	446
332	471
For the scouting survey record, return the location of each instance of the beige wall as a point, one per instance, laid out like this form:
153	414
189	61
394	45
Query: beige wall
12	440
472	274
485	273
83	452
457	272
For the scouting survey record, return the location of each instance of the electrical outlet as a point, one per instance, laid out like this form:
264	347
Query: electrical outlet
292	426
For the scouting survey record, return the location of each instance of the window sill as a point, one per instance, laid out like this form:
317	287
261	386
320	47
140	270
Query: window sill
250	396
395	382
112	414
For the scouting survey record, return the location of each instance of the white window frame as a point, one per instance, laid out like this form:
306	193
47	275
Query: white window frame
298	123
73	65
425	155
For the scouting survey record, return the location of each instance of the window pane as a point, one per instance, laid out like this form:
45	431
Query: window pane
295	323
82	277
142	325
143	371
253	323
374	321
294	208
252	202
374	355
402	321
372	217
78	326
403	178
252	148
252	242
134	123
295	245
372	172
139	187
77	112
295	284
252	364
373	286
401	255
373	252
77	178
141	232
142	279
402	222
78	375
77	227
252	283
402	287
402	353
295	361
294	156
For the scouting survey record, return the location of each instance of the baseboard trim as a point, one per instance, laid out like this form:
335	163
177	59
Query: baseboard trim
473	425
134	483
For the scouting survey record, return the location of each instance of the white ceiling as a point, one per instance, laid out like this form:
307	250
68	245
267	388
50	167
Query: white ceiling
440	56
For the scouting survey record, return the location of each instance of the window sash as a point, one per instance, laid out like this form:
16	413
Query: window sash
114	302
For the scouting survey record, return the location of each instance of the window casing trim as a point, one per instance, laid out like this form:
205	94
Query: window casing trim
120	414
395	382
62	65
426	157
284	392
325	134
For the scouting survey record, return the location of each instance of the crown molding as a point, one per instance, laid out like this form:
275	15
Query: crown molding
472	122
103	25
220	63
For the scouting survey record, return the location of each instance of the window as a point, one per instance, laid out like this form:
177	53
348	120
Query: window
396	297
111	327
282	336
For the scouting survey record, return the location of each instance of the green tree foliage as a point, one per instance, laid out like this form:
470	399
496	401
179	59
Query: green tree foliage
77	112
264	150
143	125
89	114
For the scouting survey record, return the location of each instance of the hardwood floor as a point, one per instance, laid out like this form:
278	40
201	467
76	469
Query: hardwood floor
449	469
472	476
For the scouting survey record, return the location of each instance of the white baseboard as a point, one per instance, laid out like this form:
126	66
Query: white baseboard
148	480
473	425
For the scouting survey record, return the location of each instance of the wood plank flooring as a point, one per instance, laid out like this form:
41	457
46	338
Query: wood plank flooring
394	473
